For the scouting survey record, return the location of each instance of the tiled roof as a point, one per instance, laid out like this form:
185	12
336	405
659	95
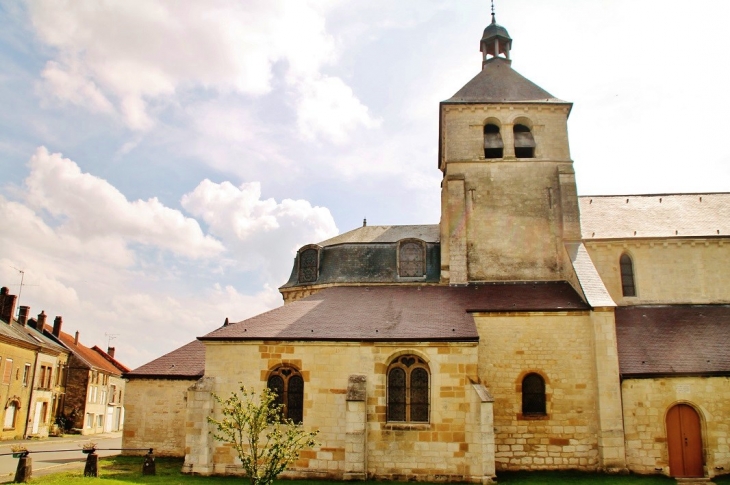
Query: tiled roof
386	234
393	313
675	339
658	215
111	359
28	336
499	83
591	283
92	358
187	362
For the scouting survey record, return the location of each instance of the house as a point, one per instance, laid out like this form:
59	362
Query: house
32	389
530	329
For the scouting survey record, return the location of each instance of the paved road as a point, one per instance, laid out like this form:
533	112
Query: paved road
44	463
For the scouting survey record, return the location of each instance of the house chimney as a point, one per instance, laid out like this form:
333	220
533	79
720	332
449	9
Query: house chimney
23	314
76	339
41	321
110	351
7	305
57	322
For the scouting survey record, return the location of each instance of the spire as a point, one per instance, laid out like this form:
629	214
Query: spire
495	41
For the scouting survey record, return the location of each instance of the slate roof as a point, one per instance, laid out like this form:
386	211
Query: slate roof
657	215
672	340
594	290
187	362
499	83
397	313
386	234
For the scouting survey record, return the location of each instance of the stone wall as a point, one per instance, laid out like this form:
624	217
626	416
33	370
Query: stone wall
560	347
448	447
645	405
507	217
666	270
155	415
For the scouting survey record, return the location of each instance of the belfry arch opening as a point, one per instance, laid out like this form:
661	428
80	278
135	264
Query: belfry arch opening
524	142
493	145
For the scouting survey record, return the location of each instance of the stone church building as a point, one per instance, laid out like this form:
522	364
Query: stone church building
529	329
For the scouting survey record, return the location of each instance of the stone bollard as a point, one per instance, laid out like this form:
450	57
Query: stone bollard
148	468
92	465
25	469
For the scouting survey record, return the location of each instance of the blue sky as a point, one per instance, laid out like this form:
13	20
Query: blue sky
163	160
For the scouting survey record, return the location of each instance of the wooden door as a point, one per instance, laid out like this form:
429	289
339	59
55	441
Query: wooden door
684	440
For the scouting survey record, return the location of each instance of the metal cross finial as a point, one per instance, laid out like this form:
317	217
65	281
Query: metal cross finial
493	21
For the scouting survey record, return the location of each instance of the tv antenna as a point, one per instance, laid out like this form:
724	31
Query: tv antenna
109	338
22	278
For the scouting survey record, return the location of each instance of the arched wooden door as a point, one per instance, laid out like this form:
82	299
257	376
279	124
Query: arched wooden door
684	440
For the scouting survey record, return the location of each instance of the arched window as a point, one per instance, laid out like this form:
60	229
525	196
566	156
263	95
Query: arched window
533	395
288	385
411	259
10	413
627	275
408	390
308	265
493	146
524	142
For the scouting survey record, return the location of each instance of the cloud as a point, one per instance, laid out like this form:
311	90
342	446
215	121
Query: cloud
90	208
260	232
329	109
126	57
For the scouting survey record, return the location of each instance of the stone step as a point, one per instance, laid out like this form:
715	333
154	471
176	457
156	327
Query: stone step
694	481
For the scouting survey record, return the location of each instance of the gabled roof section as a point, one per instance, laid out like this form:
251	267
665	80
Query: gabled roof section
91	358
655	216
386	234
111	359
499	83
673	340
187	362
398	313
590	281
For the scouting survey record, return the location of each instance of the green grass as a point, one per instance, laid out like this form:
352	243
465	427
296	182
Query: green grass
124	470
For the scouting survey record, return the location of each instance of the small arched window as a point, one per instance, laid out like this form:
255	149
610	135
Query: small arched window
628	286
411	259
308	265
288	384
524	142
493	145
533	395
408	390
10	413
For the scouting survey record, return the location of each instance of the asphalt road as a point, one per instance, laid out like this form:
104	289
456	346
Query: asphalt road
44	463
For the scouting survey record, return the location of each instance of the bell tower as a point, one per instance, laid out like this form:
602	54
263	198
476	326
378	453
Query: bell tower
508	196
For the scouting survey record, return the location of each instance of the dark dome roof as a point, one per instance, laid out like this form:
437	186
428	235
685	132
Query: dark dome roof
494	29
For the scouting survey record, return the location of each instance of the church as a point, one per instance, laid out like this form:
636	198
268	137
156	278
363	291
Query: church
530	329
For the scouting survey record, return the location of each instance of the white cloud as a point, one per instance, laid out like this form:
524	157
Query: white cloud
328	108
90	208
260	232
125	55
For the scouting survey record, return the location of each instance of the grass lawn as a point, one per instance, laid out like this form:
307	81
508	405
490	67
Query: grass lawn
127	470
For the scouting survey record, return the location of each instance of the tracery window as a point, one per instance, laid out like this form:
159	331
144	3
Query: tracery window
533	395
493	145
308	265
411	259
627	275
408	390
524	142
288	384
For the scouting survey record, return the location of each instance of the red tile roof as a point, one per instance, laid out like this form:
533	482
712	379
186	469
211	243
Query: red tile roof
92	358
398	313
658	215
674	339
187	362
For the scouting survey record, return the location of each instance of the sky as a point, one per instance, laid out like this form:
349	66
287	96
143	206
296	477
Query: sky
161	161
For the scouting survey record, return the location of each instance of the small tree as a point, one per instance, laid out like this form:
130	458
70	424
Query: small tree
265	442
